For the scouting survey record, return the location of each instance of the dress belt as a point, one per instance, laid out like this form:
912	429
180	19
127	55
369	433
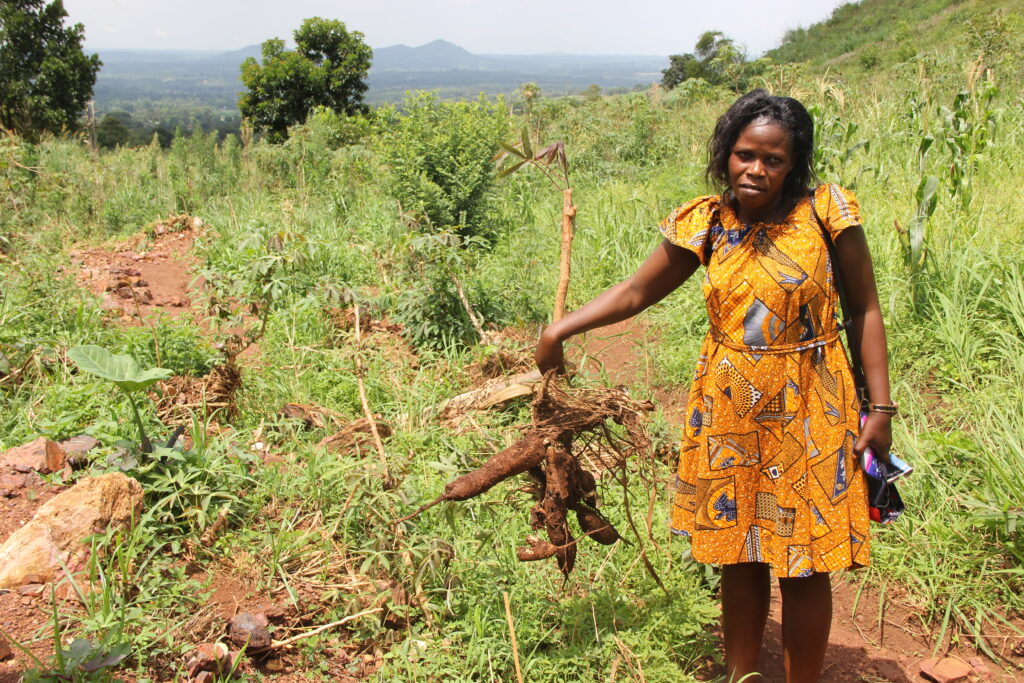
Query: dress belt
720	338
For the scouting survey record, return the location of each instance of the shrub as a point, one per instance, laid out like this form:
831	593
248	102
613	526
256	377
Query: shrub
439	155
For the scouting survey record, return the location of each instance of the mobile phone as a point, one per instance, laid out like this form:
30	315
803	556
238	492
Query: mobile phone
897	468
874	466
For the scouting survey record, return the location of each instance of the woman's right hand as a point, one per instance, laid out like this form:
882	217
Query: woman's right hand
550	354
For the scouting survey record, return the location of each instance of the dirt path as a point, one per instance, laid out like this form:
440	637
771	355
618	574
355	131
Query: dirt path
861	647
133	282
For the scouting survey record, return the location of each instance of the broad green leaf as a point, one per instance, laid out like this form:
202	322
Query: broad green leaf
122	370
926	198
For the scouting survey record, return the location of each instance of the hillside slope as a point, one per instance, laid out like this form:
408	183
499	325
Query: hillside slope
873	34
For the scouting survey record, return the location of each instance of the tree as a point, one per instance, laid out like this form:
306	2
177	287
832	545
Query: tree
113	130
45	78
680	68
716	58
328	68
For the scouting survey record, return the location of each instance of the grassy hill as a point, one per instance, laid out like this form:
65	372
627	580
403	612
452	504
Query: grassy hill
874	35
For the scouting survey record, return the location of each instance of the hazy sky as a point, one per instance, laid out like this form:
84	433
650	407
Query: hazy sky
654	27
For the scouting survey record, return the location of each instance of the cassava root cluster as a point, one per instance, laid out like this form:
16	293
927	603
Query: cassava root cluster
561	483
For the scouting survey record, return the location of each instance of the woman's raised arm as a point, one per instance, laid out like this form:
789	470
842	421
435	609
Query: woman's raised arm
665	269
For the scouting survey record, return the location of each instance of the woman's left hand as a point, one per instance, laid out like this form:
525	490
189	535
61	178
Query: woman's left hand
876	434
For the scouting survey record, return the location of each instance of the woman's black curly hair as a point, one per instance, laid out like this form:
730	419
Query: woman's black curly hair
784	111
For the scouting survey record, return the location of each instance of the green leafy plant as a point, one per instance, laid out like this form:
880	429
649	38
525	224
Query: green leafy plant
438	157
83	661
124	372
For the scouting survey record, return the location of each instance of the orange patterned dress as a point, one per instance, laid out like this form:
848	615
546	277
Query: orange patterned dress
767	471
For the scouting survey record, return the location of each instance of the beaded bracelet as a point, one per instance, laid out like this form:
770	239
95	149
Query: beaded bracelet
886	408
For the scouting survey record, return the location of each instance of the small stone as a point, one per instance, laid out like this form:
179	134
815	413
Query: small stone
26	600
78	446
110	303
32	590
249	630
5	649
40	455
275	613
124	291
10	484
203	677
208	657
945	670
274	664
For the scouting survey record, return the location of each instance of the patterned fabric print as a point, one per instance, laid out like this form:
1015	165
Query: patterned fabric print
766	469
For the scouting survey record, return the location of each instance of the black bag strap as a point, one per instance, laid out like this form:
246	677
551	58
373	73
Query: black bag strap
856	368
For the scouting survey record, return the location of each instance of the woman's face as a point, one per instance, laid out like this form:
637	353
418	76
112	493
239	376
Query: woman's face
760	160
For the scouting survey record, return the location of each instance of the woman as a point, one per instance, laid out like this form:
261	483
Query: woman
769	478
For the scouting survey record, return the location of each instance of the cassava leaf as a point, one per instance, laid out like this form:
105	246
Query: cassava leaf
513	168
527	149
512	150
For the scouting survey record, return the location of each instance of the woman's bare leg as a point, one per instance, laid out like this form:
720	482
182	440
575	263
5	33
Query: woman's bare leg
806	620
746	596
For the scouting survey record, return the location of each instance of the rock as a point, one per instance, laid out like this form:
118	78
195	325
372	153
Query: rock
76	447
980	668
275	613
141	283
55	534
32	590
10	484
109	303
5	649
945	670
204	677
274	664
41	455
249	630
124	291
211	657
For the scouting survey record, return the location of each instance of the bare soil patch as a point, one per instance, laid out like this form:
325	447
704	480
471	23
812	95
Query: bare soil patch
136	279
622	352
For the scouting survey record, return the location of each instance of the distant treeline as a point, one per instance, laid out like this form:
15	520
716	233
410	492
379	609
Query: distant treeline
132	124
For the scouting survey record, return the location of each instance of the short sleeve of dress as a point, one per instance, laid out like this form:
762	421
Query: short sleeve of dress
688	225
837	208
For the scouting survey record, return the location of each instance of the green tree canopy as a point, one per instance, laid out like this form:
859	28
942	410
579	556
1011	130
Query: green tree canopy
45	78
716	58
328	68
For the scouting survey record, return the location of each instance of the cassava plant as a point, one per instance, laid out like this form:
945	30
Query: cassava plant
553	163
